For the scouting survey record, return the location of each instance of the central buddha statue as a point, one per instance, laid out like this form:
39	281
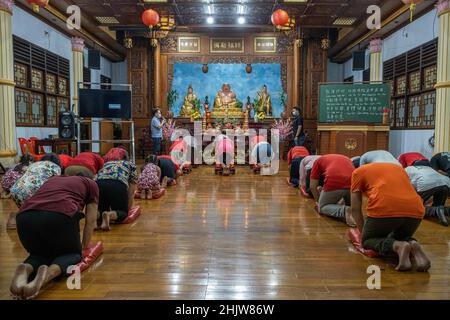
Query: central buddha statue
226	104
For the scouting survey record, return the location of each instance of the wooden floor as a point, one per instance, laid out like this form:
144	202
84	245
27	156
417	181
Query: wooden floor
239	237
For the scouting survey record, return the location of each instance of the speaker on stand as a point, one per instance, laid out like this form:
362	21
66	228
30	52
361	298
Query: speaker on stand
66	129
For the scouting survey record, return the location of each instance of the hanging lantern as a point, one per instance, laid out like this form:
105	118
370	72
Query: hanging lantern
205	68
279	17
249	68
412	7
150	18
37	4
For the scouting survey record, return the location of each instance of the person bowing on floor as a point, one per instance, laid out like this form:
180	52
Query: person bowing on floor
117	183
394	212
336	171
295	157
48	228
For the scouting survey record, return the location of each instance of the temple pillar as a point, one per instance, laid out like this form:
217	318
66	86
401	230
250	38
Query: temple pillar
296	76
77	69
375	48
157	76
442	127
8	149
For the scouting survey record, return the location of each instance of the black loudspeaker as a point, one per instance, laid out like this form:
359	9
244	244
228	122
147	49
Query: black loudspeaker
66	128
359	60
94	59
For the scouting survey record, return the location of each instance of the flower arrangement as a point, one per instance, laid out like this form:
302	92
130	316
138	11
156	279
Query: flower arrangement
228	123
168	129
284	127
197	109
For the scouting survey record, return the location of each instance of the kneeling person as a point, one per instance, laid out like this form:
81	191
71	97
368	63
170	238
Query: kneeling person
336	171
295	157
394	212
48	228
117	183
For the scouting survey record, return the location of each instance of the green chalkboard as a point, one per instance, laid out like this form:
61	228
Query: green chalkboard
353	102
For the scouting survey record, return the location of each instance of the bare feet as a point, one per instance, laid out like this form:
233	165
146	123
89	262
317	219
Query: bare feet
20	280
422	261
149	195
31	290
403	249
164	183
349	218
105	221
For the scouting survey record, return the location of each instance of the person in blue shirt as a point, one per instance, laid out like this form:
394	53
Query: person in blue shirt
297	128
156	129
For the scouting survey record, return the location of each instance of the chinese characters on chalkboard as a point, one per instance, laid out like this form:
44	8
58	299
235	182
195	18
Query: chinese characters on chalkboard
365	103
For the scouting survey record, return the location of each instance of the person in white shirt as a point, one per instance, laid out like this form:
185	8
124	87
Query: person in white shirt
378	156
430	183
305	172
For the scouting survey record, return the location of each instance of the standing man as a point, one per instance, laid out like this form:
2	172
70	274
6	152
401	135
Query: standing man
297	128
156	128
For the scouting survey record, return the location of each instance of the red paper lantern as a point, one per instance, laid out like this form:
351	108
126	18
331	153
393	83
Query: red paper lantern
150	18
37	4
280	17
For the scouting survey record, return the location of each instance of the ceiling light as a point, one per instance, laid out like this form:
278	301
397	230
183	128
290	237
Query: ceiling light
210	20
241	20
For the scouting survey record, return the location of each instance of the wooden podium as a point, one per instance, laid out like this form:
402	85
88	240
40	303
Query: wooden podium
352	139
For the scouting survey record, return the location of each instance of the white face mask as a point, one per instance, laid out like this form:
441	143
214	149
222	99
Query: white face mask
295	113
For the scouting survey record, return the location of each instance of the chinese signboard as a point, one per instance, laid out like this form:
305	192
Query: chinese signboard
225	45
265	44
189	44
353	102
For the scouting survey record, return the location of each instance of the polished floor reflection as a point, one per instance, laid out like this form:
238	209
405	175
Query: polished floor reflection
238	237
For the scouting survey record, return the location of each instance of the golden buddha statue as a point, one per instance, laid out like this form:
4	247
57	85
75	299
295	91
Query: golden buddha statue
264	101
188	105
226	104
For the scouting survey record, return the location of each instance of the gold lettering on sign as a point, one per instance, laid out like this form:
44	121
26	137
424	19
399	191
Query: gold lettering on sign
189	44
265	44
226	45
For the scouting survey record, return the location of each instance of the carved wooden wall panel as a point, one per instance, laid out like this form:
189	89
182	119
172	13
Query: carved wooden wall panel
138	77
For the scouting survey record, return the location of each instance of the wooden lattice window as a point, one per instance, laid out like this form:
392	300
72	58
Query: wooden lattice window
21	75
400	112
52	110
50	83
414	82
414	119
401	86
37	79
42	84
413	76
37	108
430	77
23	115
63	104
429	106
392	114
62	86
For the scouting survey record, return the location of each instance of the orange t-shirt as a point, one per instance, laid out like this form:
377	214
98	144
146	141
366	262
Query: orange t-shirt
297	152
388	189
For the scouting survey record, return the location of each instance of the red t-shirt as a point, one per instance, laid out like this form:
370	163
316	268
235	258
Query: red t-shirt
407	159
336	169
67	195
171	159
297	152
90	160
65	159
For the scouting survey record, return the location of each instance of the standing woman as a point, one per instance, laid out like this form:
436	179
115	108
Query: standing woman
117	183
49	229
156	129
32	180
